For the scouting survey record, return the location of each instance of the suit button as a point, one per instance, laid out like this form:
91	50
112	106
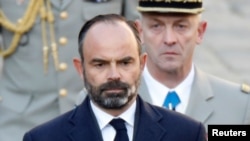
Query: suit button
63	66
64	15
63	92
63	40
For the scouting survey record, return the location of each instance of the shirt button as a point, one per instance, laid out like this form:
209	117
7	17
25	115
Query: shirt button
63	66
63	92
64	15
63	40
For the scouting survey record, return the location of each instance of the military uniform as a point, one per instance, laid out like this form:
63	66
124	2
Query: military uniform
40	83
1	57
1	65
212	100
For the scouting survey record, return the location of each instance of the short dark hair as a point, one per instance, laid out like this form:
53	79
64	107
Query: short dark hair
106	18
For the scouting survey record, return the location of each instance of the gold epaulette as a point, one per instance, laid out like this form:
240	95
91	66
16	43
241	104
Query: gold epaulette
245	88
25	23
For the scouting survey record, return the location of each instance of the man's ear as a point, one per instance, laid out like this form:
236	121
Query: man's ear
201	31
143	59
139	27
78	66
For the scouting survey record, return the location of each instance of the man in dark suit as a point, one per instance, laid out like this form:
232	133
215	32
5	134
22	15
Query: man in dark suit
36	46
111	65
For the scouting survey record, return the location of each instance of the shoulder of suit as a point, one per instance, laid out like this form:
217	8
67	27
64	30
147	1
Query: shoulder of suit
245	88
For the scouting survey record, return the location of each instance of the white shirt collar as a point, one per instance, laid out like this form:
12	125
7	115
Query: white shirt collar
103	118
156	88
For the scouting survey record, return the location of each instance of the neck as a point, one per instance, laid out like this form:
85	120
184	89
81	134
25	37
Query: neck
169	78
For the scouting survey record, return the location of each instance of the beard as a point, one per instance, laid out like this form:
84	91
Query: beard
112	99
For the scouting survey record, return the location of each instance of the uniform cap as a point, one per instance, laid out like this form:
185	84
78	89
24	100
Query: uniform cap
171	6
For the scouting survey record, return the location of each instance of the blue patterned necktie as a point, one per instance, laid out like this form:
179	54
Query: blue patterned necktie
121	130
171	100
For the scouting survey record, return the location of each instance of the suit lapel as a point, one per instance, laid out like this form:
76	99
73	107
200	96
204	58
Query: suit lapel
201	92
83	124
147	125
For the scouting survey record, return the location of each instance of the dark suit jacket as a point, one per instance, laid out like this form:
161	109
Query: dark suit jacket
151	124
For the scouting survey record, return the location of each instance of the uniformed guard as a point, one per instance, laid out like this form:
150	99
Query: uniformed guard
171	30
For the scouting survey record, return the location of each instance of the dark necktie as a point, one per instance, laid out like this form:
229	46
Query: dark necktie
171	100
121	130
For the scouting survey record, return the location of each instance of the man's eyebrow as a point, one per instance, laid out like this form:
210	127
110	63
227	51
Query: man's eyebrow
182	20
128	58
98	60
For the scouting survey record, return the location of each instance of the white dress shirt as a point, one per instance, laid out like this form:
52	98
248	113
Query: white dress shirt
103	119
158	91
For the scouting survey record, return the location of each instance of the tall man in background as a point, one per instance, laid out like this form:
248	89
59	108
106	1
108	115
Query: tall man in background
38	79
170	32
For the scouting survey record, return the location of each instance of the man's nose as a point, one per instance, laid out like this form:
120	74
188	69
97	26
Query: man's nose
114	73
169	37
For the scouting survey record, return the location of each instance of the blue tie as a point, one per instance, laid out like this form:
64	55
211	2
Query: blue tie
171	100
121	130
